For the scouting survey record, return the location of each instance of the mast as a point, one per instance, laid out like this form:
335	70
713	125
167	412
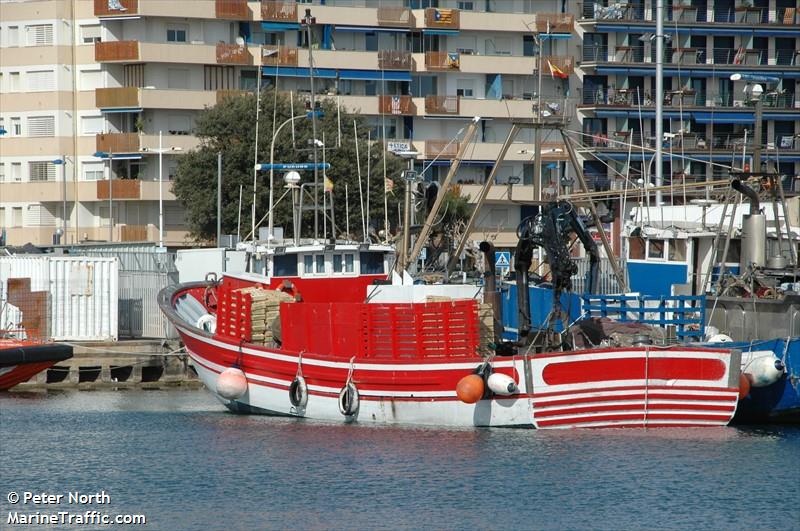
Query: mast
308	21
659	98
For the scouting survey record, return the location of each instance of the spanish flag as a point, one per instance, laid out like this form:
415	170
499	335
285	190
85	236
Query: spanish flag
556	71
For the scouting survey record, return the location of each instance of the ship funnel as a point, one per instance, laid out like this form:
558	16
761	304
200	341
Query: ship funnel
754	230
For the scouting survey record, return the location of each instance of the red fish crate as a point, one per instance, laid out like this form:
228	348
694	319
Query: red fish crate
233	313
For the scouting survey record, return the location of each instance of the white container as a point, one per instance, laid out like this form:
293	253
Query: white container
83	293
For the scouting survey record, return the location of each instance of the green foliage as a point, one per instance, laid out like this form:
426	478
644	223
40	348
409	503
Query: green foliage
229	128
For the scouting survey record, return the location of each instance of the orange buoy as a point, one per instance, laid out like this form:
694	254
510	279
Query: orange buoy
470	389
744	386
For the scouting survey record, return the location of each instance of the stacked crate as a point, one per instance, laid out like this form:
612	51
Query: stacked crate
265	306
485	322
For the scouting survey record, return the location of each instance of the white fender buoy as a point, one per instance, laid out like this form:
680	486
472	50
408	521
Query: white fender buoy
298	392
720	338
502	384
764	371
207	323
231	383
348	400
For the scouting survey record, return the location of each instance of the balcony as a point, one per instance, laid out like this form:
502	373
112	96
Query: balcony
442	18
276	11
394	60
787	15
278	56
442	61
129	7
441	104
615	12
554	22
119	51
396	105
442	149
222	95
118	97
395	16
232	9
233	54
120	189
117	143
564	63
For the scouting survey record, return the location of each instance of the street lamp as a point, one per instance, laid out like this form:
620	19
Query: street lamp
161	150
63	163
109	156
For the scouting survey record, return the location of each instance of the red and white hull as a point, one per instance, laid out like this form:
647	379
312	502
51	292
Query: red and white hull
632	387
21	360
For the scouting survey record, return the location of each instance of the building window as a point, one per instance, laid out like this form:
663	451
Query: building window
42	126
42	171
13	36
41	80
465	88
92	125
177	78
16	216
91	79
93	171
177	33
13	80
16	172
16	126
90	33
39	35
179	124
2	216
466	6
2	172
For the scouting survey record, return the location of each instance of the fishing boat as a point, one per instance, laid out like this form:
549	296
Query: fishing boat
22	359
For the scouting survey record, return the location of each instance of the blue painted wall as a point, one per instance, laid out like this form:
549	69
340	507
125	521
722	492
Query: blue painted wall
655	278
541	302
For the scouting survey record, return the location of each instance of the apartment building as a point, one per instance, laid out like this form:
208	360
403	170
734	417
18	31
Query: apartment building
708	115
92	83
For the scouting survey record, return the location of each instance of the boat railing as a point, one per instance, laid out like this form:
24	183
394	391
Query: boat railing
686	313
607	280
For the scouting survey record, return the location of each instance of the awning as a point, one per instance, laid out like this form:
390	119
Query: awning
781	158
122	110
279	26
130	156
290	71
647	115
371	29
708	71
439	32
376	75
553	36
724	117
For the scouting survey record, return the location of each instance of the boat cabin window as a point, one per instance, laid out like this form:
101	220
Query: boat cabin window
308	264
734	252
343	263
372	263
636	248
337	263
677	250
320	260
284	265
655	249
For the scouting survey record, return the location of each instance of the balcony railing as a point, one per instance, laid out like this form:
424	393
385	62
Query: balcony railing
786	57
232	9
397	105
597	11
102	8
738	56
233	54
276	11
554	22
442	61
117	143
278	56
109	98
595	53
441	104
442	18
120	189
683	13
395	16
440	148
564	63
222	95
116	51
394	60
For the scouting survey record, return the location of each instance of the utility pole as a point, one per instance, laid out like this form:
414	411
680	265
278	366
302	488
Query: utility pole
219	198
659	98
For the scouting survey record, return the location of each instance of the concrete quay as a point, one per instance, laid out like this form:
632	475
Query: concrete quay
150	364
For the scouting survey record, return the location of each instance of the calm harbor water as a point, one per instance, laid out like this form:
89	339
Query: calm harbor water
180	459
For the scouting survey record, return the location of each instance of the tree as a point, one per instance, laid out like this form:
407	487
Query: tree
229	128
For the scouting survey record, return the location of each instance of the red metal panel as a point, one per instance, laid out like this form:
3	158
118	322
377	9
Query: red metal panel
572	372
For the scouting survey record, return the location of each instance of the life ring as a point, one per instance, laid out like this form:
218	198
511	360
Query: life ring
298	392
348	400
207	323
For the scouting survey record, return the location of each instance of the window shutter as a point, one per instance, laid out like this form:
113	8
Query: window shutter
39	35
41	126
39	216
91	79
41	80
42	170
92	125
